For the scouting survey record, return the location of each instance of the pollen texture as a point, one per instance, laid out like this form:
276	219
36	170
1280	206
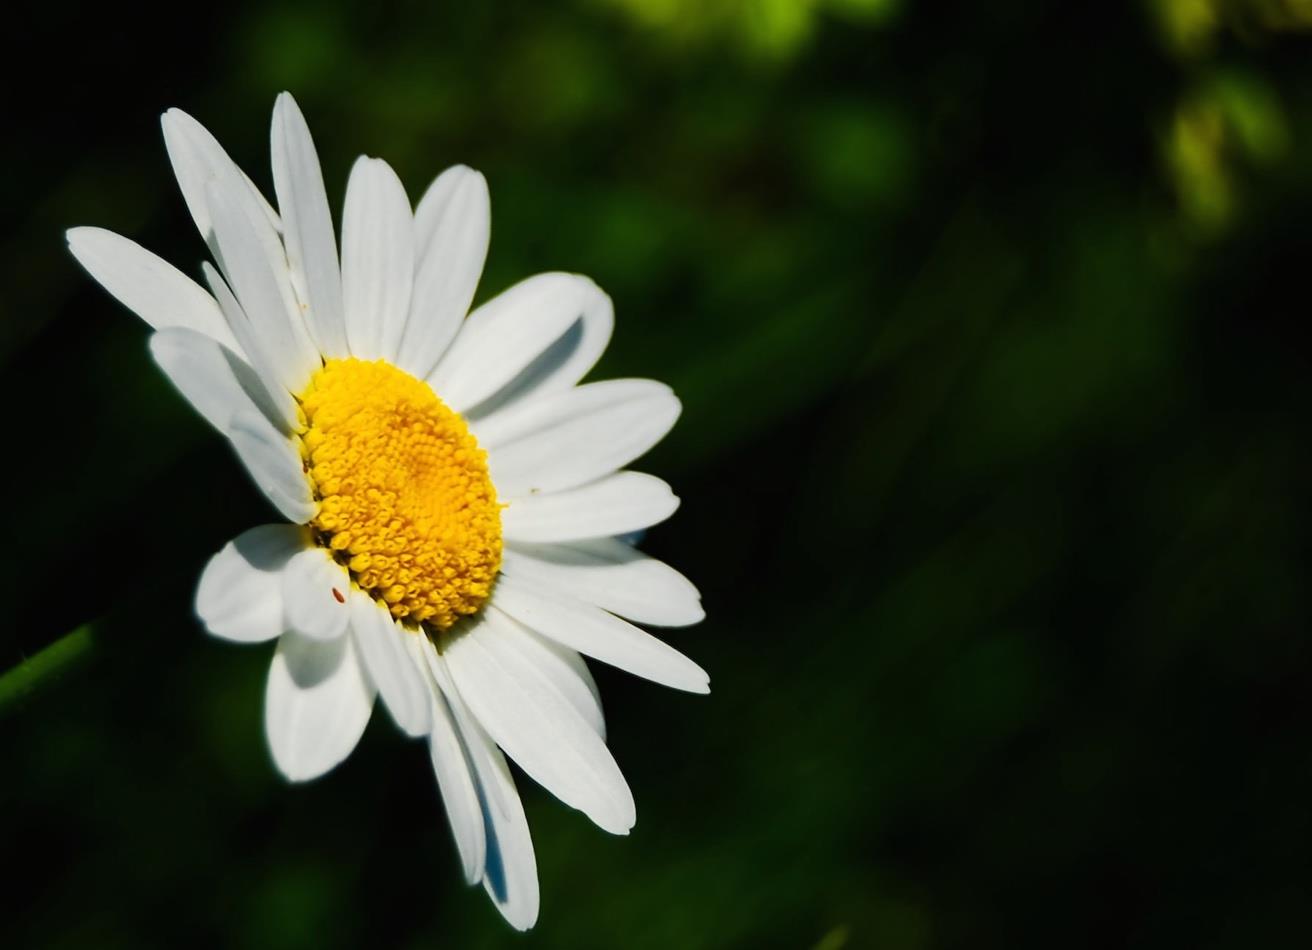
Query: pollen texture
406	502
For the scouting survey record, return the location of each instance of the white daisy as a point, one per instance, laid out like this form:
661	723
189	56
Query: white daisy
457	503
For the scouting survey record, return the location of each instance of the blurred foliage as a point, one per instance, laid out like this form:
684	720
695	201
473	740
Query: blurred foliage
1231	124
1192	27
1233	120
770	29
988	323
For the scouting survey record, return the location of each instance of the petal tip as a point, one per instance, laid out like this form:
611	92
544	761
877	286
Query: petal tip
471	177
285	108
701	685
696	614
173	119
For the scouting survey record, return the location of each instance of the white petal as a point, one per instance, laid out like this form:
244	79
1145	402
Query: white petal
205	373
452	226
271	393
560	367
377	259
240	593
510	874
595	633
217	382
307	227
575	436
315	591
500	344
611	574
316	705
274	463
149	286
525	419
390	665
452	769
199	159
567	671
257	270
527	715
625	501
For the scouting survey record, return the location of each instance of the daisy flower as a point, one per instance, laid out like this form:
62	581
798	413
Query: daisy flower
456	502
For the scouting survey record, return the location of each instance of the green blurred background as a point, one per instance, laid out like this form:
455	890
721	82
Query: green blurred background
994	463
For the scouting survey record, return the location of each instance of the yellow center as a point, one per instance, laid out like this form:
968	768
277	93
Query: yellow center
406	502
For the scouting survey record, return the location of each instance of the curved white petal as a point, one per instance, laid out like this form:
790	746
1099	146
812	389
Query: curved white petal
510	874
451	766
560	365
377	259
611	574
240	592
274	464
390	665
205	373
311	245
255	266
199	159
315	591
567	671
499	345
270	394
452	226
149	286
625	501
217	382
317	703
575	436
598	634
639	398
522	709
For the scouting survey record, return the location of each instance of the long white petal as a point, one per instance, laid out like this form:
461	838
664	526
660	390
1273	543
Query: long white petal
149	286
451	767
510	874
500	345
274	464
262	285
307	227
204	372
566	669
217	382
198	159
598	634
452	227
390	664
317	703
619	503
562	364
271	394
538	726
611	574
315	591
377	259
240	592
576	436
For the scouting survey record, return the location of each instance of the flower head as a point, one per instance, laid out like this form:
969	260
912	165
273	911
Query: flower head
456	500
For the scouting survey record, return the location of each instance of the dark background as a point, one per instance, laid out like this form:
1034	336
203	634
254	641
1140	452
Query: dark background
986	318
